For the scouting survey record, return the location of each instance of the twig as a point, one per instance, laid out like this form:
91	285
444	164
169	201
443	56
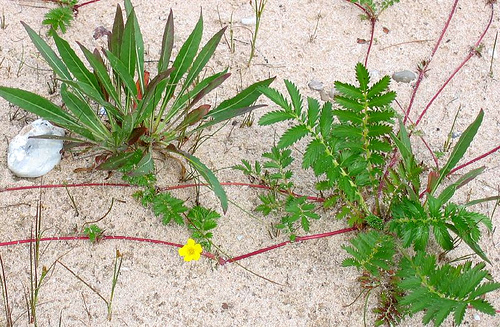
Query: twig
472	52
424	68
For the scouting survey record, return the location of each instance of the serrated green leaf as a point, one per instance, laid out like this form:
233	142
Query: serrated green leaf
314	151
349	103
326	120
313	111
363	77
58	18
379	87
274	117
380	101
295	96
276	97
292	135
349	90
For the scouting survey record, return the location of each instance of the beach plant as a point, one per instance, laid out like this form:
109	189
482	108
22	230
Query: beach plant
59	18
350	145
371	12
258	8
122	113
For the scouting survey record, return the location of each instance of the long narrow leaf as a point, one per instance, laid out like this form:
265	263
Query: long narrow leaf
74	63
244	99
48	54
84	113
208	175
167	43
127	51
460	148
115	39
123	73
102	74
40	106
201	60
152	95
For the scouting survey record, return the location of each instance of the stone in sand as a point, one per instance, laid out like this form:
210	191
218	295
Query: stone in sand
315	85
404	76
31	157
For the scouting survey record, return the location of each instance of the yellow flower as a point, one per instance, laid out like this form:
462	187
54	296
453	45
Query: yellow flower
191	251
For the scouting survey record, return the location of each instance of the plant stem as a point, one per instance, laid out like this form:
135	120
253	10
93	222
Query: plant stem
472	52
259	6
5	296
205	254
427	62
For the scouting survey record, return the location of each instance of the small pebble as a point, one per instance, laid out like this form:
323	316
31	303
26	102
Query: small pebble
249	20
332	93
315	85
374	75
455	135
476	317
404	76
239	237
324	95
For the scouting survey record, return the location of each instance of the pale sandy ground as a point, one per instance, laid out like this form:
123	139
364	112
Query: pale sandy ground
156	288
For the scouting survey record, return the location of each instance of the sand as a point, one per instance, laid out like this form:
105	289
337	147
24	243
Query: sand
299	40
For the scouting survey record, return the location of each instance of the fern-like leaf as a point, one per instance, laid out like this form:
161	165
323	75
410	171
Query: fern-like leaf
274	117
169	208
363	77
439	291
295	96
58	19
372	252
292	135
276	97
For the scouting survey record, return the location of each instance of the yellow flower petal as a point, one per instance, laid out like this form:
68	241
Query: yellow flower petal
191	251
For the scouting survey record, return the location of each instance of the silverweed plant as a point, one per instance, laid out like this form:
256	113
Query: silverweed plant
367	173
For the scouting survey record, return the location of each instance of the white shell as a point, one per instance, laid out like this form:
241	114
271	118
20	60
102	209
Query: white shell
34	157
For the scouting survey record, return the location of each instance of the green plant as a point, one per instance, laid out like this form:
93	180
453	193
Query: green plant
93	232
117	265
258	8
199	220
141	115
373	8
60	17
369	174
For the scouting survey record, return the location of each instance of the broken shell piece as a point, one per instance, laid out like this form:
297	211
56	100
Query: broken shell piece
33	157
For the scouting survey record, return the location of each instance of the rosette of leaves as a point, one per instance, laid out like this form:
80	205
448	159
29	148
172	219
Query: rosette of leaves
141	113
